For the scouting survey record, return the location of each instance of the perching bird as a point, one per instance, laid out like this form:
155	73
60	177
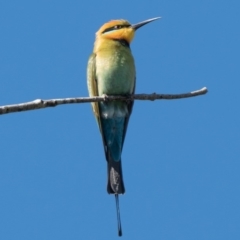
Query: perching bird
111	71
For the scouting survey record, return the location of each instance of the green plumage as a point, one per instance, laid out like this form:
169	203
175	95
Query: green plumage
111	71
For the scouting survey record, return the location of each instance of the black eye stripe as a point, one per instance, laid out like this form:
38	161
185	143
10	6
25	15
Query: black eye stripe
115	27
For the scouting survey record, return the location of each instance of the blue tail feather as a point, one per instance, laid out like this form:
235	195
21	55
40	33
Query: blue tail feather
113	130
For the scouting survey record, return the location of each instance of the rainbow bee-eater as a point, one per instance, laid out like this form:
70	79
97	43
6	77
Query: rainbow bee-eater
111	71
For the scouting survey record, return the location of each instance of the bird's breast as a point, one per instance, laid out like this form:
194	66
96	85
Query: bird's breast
115	72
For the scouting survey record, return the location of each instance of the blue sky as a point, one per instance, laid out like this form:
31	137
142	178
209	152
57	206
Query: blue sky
180	159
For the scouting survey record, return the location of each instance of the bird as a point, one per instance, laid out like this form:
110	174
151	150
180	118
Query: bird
111	71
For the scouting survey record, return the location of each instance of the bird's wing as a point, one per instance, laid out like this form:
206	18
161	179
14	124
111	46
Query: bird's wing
92	82
93	91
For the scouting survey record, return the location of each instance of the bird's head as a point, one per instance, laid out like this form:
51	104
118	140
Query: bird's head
120	29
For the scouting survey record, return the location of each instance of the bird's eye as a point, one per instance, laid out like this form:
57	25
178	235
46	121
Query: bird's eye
115	28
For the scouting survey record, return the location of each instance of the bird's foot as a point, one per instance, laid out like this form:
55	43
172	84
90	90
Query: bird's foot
105	97
129	96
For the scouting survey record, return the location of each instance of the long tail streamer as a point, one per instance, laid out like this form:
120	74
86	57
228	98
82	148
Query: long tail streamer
118	216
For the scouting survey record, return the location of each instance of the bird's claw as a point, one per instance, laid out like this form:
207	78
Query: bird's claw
105	97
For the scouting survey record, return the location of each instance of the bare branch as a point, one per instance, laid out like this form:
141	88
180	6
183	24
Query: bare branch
39	103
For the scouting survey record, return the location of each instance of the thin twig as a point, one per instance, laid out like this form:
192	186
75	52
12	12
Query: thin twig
39	103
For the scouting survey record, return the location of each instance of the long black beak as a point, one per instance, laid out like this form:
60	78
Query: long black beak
138	25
